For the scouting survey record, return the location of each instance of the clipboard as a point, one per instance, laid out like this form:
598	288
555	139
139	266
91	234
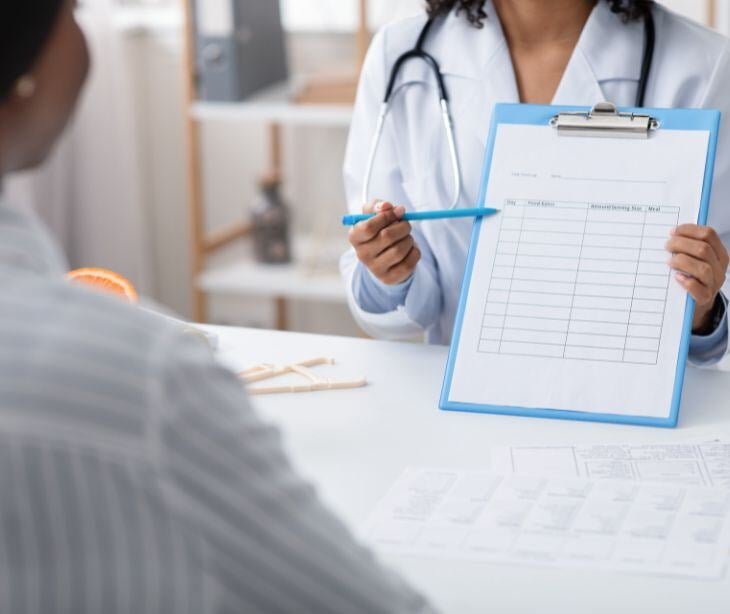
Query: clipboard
547	168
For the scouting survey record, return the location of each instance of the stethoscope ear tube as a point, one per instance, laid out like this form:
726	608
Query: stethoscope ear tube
450	137
647	59
453	152
417	53
384	108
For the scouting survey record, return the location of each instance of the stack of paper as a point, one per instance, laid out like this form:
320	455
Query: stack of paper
701	464
644	527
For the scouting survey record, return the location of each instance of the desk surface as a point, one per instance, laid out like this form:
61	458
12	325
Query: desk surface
354	444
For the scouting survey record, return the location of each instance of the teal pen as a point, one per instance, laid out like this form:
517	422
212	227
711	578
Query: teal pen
422	216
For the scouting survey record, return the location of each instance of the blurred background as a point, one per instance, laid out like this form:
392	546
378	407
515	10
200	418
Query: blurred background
175	170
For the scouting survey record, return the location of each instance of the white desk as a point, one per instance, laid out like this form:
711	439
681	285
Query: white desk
354	444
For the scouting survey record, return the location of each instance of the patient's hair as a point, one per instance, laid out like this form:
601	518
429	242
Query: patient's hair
25	26
629	10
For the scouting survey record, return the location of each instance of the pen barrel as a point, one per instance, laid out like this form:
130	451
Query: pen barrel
422	216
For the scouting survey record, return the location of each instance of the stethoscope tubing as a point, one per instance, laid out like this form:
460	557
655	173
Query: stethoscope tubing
418	53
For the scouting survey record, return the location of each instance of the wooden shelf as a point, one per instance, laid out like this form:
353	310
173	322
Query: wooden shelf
284	114
275	106
322	101
290	281
312	276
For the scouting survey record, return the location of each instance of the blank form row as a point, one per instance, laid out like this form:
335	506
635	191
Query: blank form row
579	281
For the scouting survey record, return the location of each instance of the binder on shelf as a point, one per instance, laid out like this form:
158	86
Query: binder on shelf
239	47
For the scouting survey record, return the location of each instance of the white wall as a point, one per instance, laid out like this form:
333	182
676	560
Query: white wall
342	15
722	16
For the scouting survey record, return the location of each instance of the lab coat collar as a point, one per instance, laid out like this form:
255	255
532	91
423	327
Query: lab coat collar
466	51
607	50
463	51
610	49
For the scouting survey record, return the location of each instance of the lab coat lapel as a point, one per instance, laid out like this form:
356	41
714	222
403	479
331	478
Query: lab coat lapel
498	84
607	50
478	70
461	50
464	50
481	56
579	85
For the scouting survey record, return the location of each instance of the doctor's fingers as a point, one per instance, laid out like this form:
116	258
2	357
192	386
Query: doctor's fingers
401	272
706	234
701	250
699	292
392	256
404	269
391	235
377	206
385	239
699	270
369	229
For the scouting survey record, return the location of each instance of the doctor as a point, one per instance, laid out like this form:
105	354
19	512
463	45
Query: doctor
405	280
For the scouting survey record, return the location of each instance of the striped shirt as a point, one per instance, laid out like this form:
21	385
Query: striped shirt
134	475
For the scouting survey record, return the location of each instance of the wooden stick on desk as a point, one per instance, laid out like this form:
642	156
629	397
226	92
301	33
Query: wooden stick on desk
268	371
314	387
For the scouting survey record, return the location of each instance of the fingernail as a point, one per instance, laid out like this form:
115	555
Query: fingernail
400	211
680	276
379	206
672	232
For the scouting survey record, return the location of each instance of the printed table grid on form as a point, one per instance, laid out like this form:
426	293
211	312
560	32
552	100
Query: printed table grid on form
576	280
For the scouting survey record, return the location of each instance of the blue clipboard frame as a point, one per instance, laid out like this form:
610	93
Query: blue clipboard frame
540	115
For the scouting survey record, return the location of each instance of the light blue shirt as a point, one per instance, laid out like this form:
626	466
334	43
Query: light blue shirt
376	297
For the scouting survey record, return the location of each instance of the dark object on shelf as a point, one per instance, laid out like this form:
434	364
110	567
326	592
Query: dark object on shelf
271	237
240	48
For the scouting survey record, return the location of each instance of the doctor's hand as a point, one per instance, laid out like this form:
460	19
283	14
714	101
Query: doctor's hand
384	243
700	261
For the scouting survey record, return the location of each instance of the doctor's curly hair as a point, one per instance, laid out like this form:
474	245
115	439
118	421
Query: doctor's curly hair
629	10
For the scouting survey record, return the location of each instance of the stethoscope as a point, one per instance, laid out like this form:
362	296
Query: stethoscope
418	53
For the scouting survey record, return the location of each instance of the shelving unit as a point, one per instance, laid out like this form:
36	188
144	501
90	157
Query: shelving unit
322	102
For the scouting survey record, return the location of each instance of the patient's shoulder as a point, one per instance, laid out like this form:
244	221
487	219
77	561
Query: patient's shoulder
89	333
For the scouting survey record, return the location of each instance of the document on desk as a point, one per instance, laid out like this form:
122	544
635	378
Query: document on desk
569	307
664	529
699	464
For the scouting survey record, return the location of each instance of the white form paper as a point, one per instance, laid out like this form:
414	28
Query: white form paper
701	464
561	522
571	304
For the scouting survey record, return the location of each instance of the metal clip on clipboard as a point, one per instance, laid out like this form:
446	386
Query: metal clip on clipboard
604	120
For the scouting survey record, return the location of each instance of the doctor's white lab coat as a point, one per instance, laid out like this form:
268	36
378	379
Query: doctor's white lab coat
691	68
